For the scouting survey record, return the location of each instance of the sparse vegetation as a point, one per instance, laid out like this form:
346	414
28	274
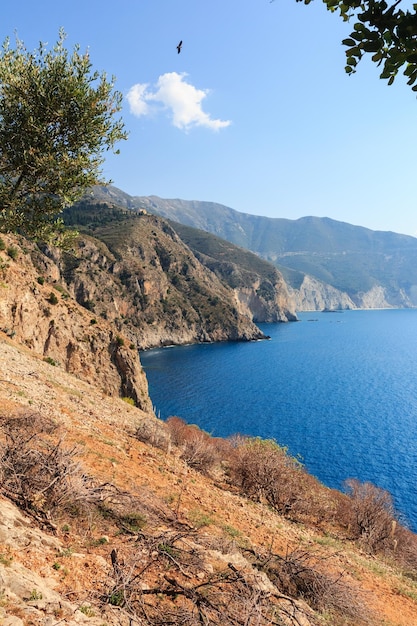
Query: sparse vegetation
120	341
12	252
50	360
182	551
6	559
38	472
129	401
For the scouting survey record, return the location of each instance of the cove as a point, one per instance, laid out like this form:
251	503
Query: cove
338	389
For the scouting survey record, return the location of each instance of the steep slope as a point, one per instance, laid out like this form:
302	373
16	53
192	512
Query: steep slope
36	309
166	294
367	268
258	285
165	543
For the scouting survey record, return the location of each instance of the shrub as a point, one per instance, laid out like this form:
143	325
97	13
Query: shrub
129	400
37	472
50	360
306	575
197	447
153	433
52	299
12	252
264	471
62	291
2	245
373	517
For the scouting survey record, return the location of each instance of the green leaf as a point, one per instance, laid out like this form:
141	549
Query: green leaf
371	46
377	57
351	61
412	58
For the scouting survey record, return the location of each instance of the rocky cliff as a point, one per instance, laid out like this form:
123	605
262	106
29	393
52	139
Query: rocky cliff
259	287
37	310
139	273
314	295
373	269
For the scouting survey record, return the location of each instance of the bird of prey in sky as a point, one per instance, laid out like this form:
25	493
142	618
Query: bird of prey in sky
179	46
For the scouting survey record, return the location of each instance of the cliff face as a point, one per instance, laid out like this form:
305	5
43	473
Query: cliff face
262	298
373	269
139	274
38	312
260	289
313	295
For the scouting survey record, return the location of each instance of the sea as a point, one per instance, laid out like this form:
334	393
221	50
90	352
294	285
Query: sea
338	389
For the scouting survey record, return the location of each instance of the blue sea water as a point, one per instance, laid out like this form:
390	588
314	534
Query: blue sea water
339	389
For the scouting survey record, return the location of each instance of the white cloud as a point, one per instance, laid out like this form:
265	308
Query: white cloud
183	100
137	101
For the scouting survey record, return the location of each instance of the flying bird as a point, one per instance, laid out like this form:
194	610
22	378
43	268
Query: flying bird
179	46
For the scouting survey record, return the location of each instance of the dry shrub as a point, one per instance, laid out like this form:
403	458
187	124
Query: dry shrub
37	472
165	581
371	516
264	471
198	449
311	577
153	433
404	550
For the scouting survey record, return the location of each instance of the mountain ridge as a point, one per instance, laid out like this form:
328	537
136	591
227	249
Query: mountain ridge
363	268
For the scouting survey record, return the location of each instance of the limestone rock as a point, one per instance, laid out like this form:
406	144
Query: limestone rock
40	313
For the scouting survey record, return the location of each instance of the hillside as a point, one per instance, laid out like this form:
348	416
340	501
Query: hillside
137	535
348	266
110	516
165	293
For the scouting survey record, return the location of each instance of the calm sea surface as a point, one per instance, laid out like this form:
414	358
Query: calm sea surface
339	389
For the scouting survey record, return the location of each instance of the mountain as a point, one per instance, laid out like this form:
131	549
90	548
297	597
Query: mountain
326	263
134	269
111	516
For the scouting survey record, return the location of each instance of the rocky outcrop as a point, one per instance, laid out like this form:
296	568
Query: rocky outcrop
263	309
139	274
313	295
38	312
260	289
375	298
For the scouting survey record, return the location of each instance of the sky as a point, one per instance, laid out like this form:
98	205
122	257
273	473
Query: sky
256	112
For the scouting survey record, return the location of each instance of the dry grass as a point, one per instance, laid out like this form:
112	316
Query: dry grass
172	570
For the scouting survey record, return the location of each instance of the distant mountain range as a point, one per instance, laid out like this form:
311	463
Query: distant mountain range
326	263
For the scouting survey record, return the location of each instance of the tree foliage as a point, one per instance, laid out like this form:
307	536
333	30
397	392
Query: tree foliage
57	117
386	31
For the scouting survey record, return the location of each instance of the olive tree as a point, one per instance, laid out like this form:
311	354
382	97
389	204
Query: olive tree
57	117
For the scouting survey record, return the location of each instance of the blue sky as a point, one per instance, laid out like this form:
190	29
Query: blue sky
256	112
